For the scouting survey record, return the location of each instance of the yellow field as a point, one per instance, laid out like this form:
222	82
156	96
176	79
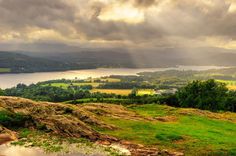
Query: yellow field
231	85
145	92
113	91
94	84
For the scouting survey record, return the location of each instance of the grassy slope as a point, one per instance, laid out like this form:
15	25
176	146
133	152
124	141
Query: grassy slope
195	132
191	132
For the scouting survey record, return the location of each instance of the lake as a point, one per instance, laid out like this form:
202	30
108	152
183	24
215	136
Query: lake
10	80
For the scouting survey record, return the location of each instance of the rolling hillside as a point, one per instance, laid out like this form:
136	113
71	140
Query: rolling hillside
141	129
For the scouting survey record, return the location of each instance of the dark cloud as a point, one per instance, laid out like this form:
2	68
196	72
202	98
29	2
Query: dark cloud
47	14
79	19
144	3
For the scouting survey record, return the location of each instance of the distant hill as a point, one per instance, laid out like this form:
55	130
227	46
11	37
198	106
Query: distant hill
141	58
21	63
116	58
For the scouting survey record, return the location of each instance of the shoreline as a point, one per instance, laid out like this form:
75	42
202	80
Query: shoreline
132	68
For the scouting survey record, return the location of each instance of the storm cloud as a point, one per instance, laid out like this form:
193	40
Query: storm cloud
150	23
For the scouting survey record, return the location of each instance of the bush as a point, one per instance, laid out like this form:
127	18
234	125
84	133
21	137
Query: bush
8	119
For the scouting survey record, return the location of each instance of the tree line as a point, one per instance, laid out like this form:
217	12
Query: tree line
206	95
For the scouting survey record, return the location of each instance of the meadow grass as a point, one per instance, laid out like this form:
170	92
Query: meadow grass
190	133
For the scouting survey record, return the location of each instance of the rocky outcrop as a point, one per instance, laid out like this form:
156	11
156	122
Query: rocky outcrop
6	135
67	120
75	121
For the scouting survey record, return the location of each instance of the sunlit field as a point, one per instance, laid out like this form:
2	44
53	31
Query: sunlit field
66	85
230	84
146	92
113	91
192	131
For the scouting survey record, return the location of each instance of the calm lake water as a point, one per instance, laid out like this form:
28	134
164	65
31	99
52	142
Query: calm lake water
10	80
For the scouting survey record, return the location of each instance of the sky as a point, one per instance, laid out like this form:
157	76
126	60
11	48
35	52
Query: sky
54	25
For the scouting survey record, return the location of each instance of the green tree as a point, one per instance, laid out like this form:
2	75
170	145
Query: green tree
133	93
231	101
1	92
209	95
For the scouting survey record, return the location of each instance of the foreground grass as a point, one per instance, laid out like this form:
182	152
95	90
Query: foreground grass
191	133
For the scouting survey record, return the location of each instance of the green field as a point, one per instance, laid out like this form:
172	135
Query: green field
145	92
5	70
188	130
66	85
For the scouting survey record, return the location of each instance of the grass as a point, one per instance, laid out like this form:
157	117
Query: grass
190	133
113	91
231	84
145	92
228	82
168	137
100	100
5	70
66	85
12	120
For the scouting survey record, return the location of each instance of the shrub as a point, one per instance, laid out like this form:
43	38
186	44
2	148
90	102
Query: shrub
8	119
